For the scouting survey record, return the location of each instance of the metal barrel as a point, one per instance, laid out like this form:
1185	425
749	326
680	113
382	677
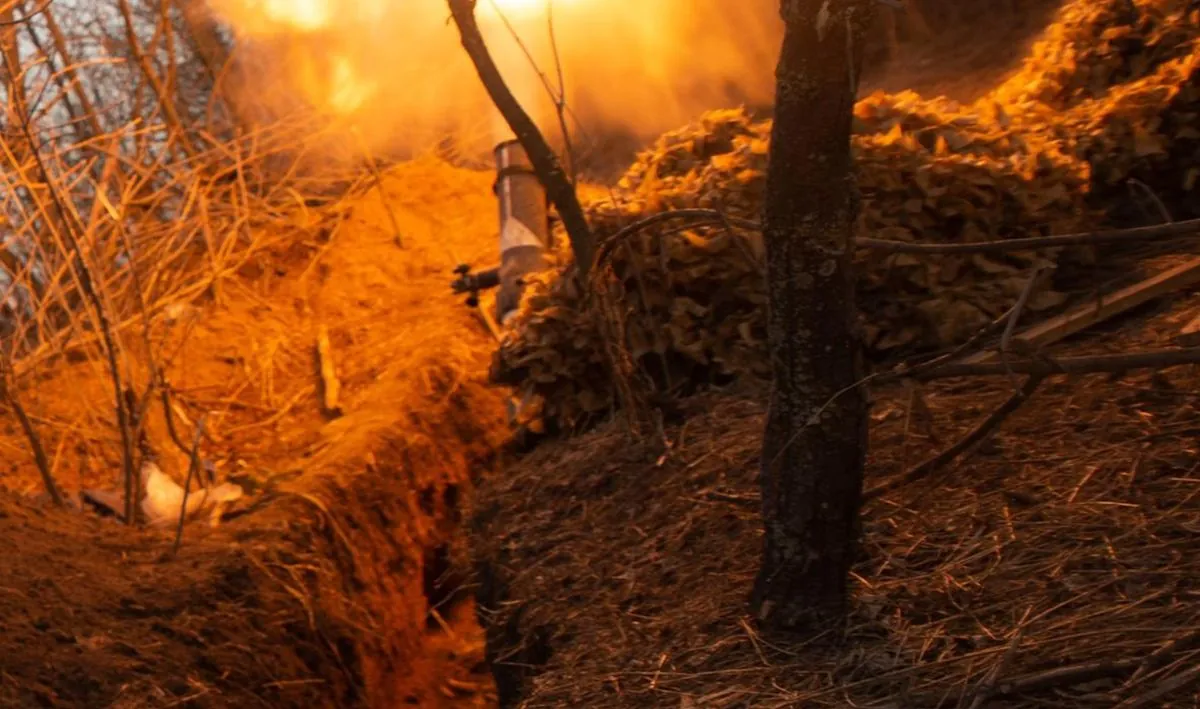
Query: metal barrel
524	224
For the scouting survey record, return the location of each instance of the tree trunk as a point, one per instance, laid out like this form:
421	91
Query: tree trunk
813	450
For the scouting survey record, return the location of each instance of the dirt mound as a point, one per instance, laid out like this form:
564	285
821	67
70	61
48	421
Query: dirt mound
1054	566
94	617
328	588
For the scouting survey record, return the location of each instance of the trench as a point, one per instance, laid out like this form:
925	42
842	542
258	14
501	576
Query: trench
515	654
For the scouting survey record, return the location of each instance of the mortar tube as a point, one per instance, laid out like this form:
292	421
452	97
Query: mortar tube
525	234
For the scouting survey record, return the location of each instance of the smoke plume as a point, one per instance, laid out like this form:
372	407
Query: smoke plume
393	73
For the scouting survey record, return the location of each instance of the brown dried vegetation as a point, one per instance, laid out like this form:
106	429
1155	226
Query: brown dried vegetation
146	226
930	170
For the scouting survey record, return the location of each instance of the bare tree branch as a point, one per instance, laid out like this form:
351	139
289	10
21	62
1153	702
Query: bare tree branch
35	441
193	467
89	289
1093	364
558	186
976	435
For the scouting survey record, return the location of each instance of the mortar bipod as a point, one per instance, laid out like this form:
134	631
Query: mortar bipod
473	283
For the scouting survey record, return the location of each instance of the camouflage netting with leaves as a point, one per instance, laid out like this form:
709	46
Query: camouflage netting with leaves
1094	45
688	299
1145	134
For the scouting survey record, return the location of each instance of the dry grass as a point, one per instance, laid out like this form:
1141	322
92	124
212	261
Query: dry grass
1065	546
347	517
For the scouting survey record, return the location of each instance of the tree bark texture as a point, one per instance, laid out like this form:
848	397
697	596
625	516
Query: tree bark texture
559	188
813	451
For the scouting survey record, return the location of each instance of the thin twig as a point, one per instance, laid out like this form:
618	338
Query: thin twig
383	195
1110	236
118	217
1163	212
27	16
193	465
1015	314
164	393
87	285
560	102
559	97
701	216
910	371
35	441
980	432
983	693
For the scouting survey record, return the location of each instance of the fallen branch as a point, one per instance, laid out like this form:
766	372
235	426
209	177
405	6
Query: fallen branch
1189	334
87	284
1066	676
703	217
1157	658
1059	678
1104	307
1171	684
979	433
1091	364
558	187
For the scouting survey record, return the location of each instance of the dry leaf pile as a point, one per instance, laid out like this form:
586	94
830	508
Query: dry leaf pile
1093	45
686	300
1117	84
1144	133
